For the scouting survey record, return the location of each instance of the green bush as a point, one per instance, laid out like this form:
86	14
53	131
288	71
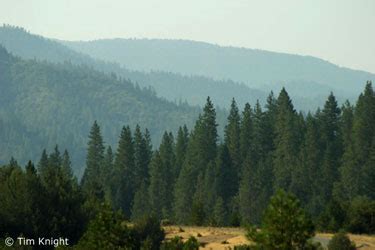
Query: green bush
361	216
285	225
174	244
341	241
177	244
191	244
148	233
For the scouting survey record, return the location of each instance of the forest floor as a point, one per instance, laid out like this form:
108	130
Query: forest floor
222	238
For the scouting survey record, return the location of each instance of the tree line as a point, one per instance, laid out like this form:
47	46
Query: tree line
326	159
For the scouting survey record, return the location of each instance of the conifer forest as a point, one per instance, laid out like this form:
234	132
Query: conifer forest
212	125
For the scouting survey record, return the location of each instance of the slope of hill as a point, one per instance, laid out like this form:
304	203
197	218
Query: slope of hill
172	86
256	68
42	104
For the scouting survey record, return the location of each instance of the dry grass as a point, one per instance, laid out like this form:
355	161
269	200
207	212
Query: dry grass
226	238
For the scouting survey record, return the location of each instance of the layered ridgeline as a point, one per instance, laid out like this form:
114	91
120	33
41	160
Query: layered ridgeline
43	104
172	86
308	79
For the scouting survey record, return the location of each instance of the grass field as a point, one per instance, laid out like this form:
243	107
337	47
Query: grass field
226	238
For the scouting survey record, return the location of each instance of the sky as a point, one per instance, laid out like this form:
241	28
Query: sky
340	31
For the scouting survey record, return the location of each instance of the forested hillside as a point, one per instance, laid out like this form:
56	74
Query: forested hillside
324	162
259	69
172	86
325	159
43	104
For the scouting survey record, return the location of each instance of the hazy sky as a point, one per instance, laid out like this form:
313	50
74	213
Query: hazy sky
341	31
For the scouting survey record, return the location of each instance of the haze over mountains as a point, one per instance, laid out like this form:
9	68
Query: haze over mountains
304	76
49	99
189	71
174	87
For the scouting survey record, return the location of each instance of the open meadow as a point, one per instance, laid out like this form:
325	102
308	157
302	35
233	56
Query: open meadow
225	238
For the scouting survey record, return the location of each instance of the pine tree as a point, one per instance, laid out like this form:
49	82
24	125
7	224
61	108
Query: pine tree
286	147
198	213
219	213
209	190
208	132
331	144
158	189
200	152
181	147
43	164
108	171
168	162
66	166
254	190
364	124
92	177
285	225
226	176
347	188
107	231
367	186
141	205
246	132
306	172
141	158
123	182
232	138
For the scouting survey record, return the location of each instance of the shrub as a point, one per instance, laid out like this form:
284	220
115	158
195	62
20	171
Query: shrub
149	233
177	244
174	244
285	225
191	244
341	241
360	216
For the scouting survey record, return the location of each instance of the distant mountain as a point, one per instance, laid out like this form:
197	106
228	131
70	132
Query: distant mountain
42	104
304	76
172	86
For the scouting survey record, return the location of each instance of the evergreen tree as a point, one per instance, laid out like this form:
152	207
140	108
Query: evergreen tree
168	162
368	175
43	164
201	150
123	183
246	132
331	145
209	131
141	159
141	205
158	187
226	176
232	138
108	171
181	147
107	231
66	166
219	213
198	214
254	191
208	191
92	177
306	173
285	225
285	141
364	124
